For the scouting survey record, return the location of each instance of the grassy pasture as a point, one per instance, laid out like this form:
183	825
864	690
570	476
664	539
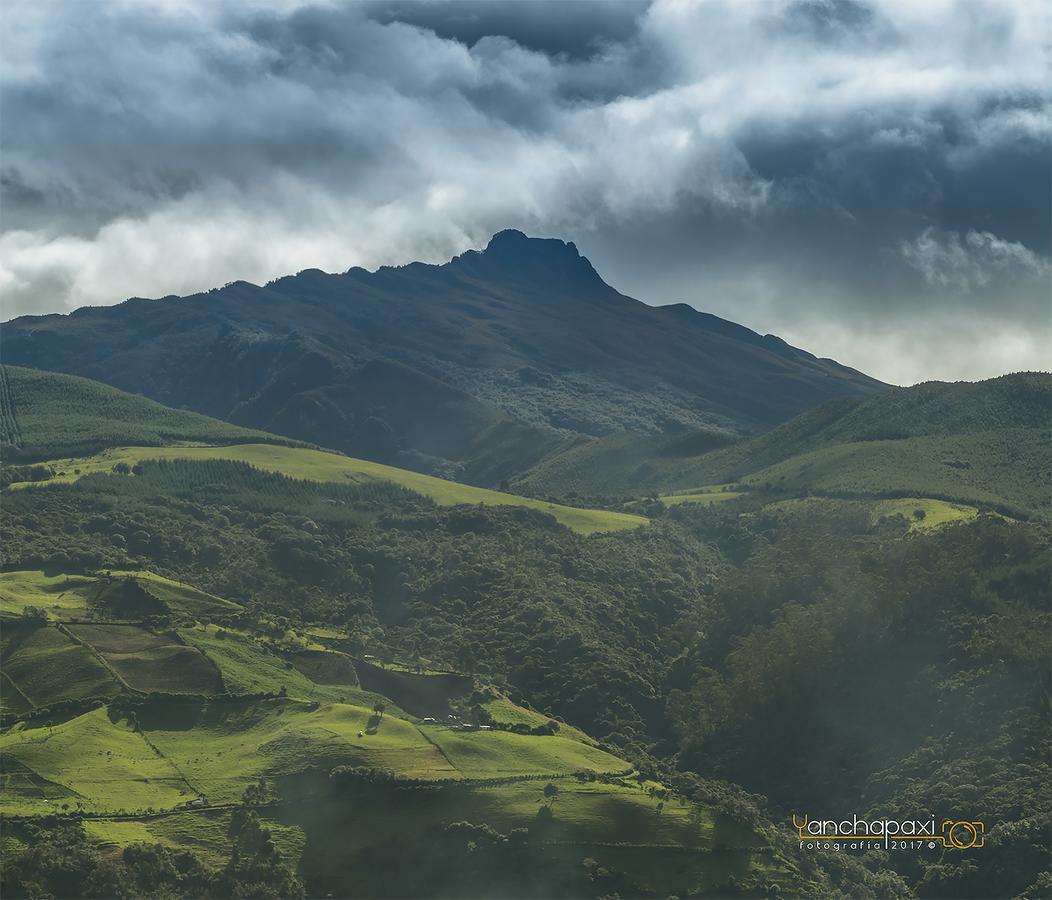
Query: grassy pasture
47	666
180	597
103	765
58	595
66	597
148	661
224	747
319	465
1008	469
701	496
595	812
203	832
508	713
666	870
936	512
500	754
621	827
680	846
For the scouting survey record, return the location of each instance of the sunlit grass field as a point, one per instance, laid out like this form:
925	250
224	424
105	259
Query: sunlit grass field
70	596
103	765
318	465
500	754
924	514
57	595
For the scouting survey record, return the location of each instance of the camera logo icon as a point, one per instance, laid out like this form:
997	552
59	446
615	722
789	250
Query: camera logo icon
962	835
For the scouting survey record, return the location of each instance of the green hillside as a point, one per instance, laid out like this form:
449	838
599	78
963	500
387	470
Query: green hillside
318	465
983	443
47	415
368	682
78	596
135	764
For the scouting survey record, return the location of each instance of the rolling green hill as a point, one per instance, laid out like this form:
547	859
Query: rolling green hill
46	415
318	465
983	443
379	705
78	596
134	765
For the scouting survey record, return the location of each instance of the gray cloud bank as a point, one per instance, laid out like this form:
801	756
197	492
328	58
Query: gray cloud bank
870	180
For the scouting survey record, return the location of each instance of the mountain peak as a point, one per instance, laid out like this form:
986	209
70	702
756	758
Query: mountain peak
510	240
519	256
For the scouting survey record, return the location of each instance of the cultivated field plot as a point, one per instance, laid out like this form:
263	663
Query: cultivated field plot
248	667
94	763
12	700
148	661
705	496
421	695
45	666
326	667
500	754
318	465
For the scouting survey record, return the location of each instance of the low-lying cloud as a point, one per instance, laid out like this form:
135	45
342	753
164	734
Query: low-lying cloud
863	178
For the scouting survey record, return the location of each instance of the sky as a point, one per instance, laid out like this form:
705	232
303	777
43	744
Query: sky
868	179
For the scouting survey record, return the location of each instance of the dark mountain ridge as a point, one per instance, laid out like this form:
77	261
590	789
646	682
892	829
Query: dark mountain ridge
478	368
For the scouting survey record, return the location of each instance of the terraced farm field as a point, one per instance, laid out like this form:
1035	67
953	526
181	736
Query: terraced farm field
149	661
318	465
45	666
248	667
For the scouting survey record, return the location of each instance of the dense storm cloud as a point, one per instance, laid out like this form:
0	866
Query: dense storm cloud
870	180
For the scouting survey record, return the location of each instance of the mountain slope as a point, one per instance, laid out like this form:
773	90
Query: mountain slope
984	442
476	369
44	414
49	417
